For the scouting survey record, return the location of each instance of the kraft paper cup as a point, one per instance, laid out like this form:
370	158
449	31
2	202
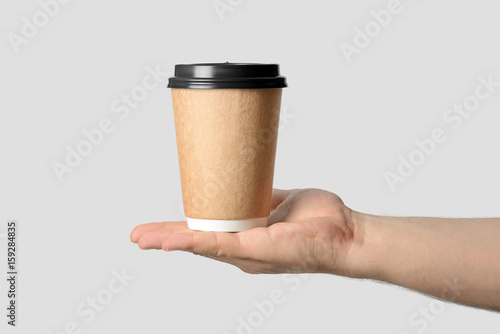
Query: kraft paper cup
226	120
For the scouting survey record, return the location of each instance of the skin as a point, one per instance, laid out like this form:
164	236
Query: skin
312	231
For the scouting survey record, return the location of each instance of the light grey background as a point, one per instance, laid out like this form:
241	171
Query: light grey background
347	124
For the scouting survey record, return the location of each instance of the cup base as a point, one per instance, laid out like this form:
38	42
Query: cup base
222	225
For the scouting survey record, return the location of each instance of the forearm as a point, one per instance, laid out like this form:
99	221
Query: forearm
452	259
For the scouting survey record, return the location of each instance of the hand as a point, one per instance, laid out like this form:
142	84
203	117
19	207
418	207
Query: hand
310	230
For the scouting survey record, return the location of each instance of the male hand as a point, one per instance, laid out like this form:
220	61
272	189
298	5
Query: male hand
310	230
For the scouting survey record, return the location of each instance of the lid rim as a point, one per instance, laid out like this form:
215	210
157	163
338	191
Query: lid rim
227	75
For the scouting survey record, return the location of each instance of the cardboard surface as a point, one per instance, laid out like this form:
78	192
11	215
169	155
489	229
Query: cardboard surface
226	143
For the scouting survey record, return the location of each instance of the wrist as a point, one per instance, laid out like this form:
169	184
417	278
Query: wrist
366	251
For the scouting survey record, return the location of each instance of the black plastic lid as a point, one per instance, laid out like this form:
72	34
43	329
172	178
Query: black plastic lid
227	75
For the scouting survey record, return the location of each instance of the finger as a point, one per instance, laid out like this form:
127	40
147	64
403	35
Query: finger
250	244
277	216
281	212
220	244
153	239
209	243
279	195
141	229
144	228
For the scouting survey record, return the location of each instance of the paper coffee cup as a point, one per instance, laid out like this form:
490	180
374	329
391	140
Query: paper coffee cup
226	120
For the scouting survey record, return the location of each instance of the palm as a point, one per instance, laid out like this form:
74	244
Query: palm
308	231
